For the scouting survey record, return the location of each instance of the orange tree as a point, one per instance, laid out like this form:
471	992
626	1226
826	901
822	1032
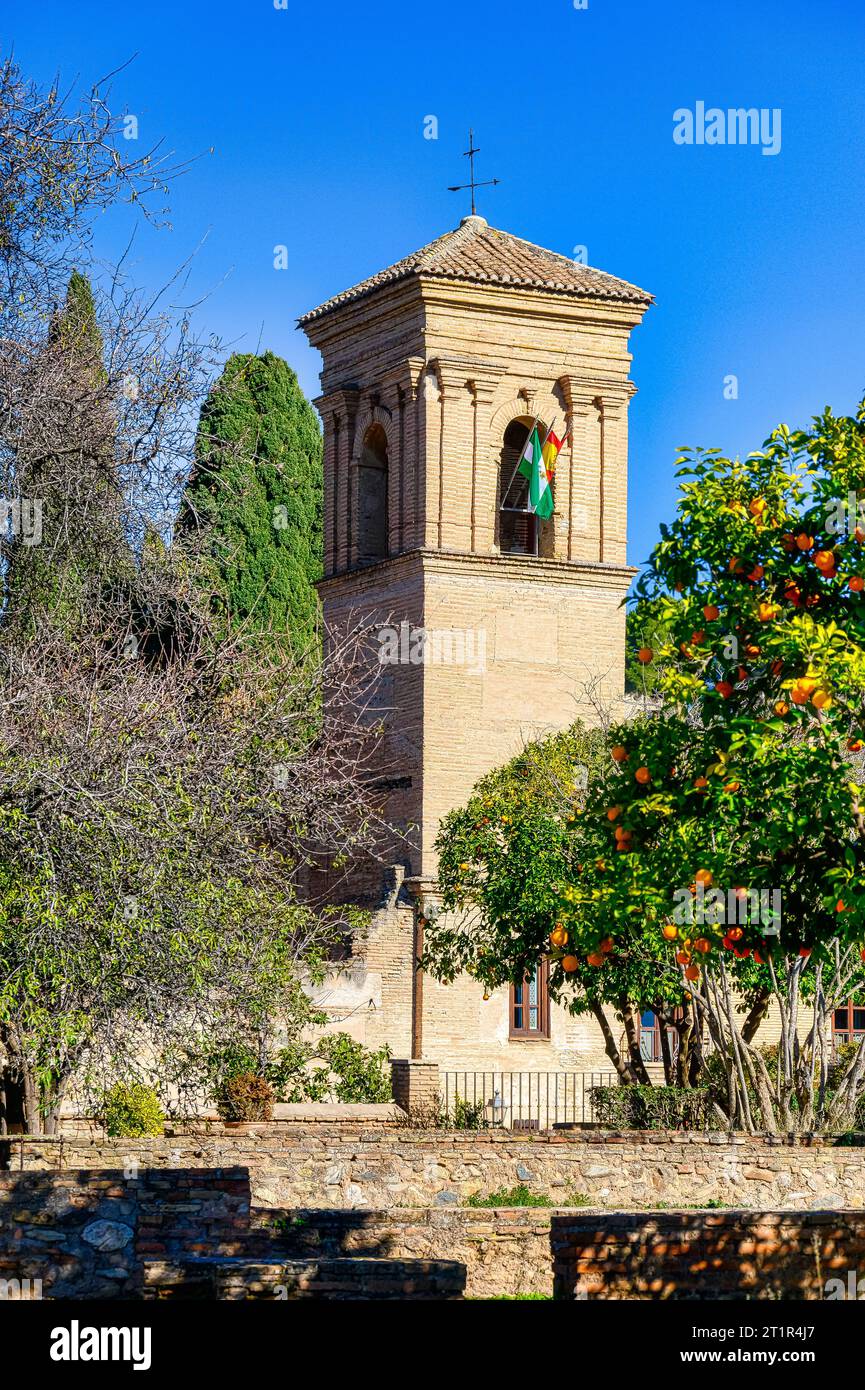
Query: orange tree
504	859
722	841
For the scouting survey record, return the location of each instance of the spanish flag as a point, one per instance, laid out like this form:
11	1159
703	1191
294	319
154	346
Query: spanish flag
551	449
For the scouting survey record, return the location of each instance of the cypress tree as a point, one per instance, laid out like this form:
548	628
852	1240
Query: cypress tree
256	497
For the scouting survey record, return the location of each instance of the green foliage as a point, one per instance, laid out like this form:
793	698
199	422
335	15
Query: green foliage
256	494
519	1196
643	629
522	1196
652	1107
131	1110
466	1115
503	857
245	1096
362	1076
349	1072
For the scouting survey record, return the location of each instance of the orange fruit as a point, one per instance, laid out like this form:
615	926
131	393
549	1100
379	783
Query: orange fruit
732	786
840	906
643	776
622	833
692	973
558	936
683	957
724	689
613	812
752	650
804	952
856	583
854	744
781	708
711	612
702	945
756	574
595	958
619	753
607	945
669	932
645	655
767	612
804	541
788	541
758	506
698	637
802	688
821	699
703	876
570	964
735	933
825	561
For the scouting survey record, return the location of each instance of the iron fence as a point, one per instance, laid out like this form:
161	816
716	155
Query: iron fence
521	1099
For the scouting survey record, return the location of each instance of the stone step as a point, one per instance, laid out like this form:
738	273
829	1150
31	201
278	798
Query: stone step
232	1278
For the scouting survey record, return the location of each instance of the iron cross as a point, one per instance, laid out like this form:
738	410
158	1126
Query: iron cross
473	183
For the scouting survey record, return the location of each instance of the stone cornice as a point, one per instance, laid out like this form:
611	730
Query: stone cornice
581	573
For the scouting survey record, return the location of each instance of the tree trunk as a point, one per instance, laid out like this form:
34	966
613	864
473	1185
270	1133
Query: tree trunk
611	1048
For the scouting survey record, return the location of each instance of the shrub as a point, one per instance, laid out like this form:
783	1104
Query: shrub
468	1115
245	1096
652	1107
362	1076
130	1110
519	1196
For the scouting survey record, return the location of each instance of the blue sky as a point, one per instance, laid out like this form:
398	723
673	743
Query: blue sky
315	115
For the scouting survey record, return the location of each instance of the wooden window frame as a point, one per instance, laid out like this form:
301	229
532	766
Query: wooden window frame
525	1034
848	1034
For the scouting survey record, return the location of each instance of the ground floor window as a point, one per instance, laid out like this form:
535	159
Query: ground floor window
530	1005
848	1023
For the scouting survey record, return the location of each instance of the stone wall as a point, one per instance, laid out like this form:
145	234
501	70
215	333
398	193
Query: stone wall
87	1234
503	1250
347	1166
705	1255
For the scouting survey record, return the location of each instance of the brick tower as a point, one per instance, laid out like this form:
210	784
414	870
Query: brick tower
492	621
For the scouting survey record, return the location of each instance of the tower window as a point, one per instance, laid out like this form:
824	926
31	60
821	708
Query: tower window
520	532
530	1005
372	497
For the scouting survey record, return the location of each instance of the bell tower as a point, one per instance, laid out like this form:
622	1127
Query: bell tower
492	620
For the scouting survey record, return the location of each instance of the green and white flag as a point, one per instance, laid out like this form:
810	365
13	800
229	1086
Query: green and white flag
533	467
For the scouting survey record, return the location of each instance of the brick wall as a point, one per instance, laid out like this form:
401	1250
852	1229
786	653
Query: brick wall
87	1234
349	1167
706	1255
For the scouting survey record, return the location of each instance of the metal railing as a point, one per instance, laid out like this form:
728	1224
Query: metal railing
521	1099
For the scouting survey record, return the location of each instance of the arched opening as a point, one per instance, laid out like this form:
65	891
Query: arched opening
519	530
372	497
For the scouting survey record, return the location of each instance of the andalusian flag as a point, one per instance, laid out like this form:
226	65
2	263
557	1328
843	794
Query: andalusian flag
533	467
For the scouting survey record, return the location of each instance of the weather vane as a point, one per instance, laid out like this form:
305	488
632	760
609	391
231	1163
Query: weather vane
473	183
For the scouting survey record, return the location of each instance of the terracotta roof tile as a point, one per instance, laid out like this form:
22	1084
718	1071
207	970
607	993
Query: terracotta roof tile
474	251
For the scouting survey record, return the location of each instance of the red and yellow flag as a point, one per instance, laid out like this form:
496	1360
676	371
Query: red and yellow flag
551	448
